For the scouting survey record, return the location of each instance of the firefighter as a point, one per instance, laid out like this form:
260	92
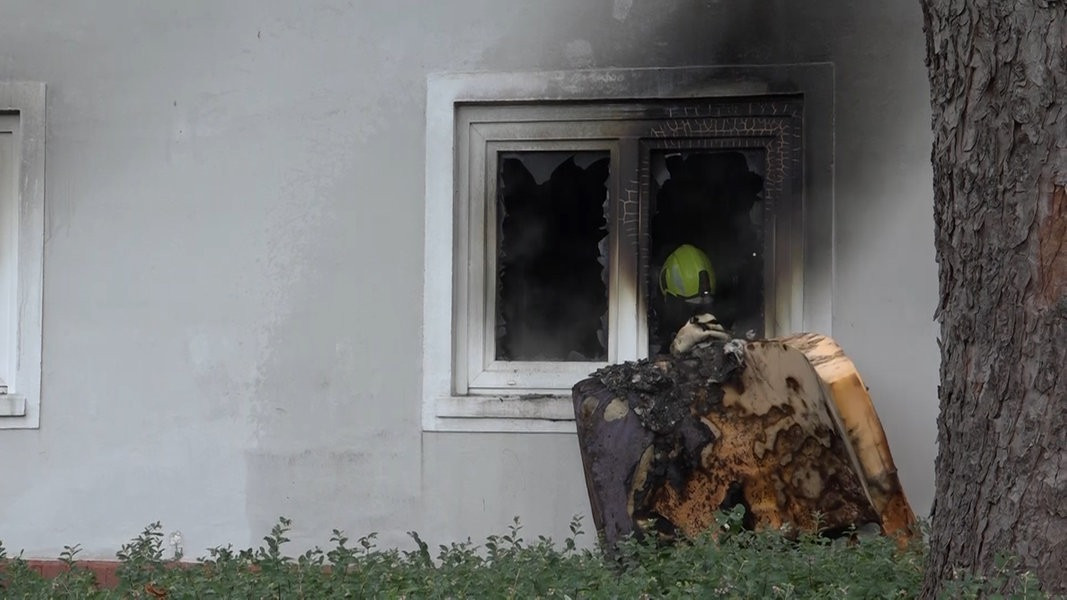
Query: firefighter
687	289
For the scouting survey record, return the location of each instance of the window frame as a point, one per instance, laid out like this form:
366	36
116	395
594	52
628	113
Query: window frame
493	377
23	277
449	403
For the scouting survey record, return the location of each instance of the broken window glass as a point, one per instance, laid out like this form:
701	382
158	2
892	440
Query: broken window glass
551	263
712	200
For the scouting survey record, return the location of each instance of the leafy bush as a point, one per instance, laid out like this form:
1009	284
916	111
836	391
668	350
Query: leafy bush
739	564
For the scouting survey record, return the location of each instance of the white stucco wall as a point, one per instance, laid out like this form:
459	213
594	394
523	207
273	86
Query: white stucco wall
233	271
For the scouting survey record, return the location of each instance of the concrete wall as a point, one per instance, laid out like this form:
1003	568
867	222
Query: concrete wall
234	254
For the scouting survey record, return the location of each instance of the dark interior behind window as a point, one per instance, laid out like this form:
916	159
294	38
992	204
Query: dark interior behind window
551	276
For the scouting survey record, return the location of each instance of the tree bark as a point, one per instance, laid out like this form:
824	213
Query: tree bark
998	79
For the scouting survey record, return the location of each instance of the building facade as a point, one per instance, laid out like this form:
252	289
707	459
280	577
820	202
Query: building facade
249	284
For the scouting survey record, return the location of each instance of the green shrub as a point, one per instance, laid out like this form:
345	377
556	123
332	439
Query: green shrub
739	564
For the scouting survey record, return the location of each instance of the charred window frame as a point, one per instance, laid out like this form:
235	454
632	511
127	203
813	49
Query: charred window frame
630	114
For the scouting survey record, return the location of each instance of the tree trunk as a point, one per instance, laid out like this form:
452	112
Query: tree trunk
998	79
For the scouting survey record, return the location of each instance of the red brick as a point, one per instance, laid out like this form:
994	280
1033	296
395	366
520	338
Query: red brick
104	570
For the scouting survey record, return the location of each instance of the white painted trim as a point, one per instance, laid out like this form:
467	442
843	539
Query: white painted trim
441	410
28	100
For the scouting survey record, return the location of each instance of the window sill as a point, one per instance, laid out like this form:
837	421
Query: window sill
19	411
12	406
541	413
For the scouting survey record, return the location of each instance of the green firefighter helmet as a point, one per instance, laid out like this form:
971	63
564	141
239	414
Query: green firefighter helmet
687	274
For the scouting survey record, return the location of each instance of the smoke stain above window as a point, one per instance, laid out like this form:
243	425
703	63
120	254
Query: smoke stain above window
551	276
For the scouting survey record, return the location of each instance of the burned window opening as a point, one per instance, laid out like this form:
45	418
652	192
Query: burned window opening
505	156
551	256
712	200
